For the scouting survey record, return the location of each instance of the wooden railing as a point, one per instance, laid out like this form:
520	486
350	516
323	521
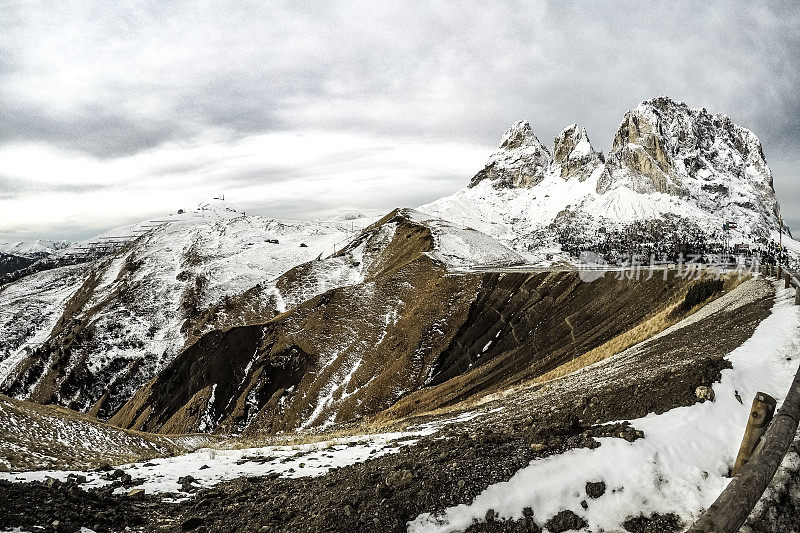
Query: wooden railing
731	509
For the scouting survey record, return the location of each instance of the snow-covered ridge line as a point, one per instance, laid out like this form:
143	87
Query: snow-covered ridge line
37	248
460	246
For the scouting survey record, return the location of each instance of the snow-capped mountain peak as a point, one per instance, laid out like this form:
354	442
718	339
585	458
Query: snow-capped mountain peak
521	160
667	147
573	154
519	135
679	171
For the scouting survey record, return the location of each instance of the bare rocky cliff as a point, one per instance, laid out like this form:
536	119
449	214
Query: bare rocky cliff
521	161
666	146
687	171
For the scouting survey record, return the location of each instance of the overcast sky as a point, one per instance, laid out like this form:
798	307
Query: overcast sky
111	112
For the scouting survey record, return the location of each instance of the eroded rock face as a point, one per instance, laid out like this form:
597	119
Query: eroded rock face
665	146
666	159
573	154
639	148
521	161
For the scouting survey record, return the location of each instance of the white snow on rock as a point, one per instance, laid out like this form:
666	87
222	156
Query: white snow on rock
511	215
30	307
350	266
668	160
680	466
459	246
170	268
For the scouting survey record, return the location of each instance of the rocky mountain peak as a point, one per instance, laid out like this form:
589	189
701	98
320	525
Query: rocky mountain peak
521	160
518	135
573	154
670	166
642	145
666	146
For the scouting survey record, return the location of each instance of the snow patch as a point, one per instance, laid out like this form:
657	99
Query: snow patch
680	466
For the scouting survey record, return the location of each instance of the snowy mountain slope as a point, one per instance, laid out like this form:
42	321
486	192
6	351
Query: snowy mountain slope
109	325
30	308
460	247
683	168
354	332
556	449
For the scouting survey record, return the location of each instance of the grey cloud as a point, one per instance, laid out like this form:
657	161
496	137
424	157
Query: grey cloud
462	70
12	188
114	80
96	130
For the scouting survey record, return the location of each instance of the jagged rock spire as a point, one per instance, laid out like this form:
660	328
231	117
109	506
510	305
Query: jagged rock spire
707	166
519	134
573	154
521	161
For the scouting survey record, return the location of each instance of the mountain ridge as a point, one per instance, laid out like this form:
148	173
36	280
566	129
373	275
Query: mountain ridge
694	172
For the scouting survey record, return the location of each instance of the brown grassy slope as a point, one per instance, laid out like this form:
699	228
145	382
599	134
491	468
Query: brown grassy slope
361	347
439	333
57	371
671	314
34	436
522	326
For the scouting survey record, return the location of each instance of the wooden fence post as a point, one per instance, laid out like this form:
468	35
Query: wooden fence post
788	280
760	416
778	270
797	296
734	505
